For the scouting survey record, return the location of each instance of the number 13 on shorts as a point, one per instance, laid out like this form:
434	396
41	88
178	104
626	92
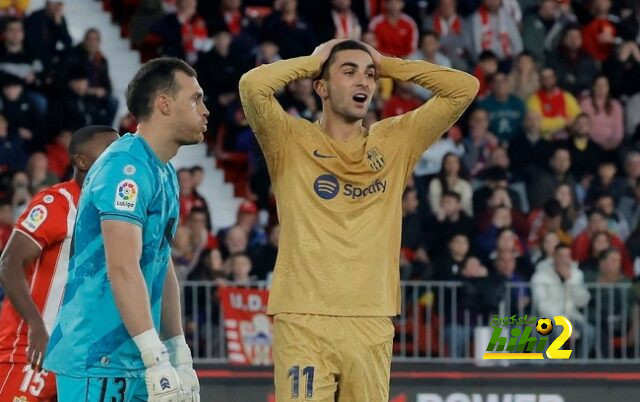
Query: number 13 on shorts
307	373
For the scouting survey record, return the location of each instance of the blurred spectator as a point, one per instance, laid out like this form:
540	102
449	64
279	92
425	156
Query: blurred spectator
47	33
524	78
487	66
557	107
184	33
544	254
181	252
505	268
263	257
14	7
299	100
607	126
17	60
493	28
240	267
344	23
12	153
413	237
21	112
604	202
450	28
247	220
219	88
583	151
404	100
228	17
541	32
559	289
19	193
201	238
396	32
235	241
40	176
429	51
606	308
542	189
606	181
88	56
599	242
290	31
565	195
6	223
622	70
447	267
190	198
73	107
479	143
506	111
451	178
530	152
629	206
495	192
211	267
545	220
574	68
58	156
430	162
599	35
448	220
267	53
598	222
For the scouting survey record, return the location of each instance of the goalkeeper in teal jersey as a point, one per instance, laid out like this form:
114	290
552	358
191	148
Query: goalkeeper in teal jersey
119	331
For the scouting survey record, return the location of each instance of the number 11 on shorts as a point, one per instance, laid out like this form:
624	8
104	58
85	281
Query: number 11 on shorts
294	373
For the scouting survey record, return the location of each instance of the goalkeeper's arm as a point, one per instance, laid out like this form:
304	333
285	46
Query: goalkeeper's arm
123	249
171	331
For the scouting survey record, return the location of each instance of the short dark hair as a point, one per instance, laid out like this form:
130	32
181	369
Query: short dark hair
86	134
155	76
196	168
346	45
552	208
604	254
12	20
562	245
452	194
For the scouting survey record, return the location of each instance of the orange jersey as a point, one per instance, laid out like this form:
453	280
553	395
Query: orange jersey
340	204
48	221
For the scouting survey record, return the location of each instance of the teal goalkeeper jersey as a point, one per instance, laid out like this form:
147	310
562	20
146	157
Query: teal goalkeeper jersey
127	183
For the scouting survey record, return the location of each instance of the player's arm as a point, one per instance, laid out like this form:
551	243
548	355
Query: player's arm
453	92
171	331
21	251
269	122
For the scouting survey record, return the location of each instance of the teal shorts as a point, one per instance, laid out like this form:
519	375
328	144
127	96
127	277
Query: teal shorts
92	389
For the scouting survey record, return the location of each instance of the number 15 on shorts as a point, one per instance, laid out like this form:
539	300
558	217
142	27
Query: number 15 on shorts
307	373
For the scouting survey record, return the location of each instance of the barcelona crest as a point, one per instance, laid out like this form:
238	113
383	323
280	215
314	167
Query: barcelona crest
376	159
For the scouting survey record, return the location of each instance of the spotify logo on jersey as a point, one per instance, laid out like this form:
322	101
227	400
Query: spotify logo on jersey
326	186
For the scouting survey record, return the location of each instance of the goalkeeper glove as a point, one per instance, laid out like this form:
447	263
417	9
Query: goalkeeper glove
163	383
180	357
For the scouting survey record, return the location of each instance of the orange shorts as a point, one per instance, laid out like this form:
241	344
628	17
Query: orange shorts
18	383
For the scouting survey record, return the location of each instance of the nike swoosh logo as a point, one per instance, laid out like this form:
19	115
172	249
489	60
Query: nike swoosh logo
319	155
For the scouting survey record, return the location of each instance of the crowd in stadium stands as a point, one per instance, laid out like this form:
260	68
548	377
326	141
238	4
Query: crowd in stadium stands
538	182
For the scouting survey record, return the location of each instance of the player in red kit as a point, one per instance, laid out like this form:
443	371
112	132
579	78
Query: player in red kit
33	272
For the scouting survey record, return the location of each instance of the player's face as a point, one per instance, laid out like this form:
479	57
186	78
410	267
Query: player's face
190	112
351	84
92	149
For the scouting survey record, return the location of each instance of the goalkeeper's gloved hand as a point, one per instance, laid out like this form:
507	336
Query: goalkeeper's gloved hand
162	380
180	357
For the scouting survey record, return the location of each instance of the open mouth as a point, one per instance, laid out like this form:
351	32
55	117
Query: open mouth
360	98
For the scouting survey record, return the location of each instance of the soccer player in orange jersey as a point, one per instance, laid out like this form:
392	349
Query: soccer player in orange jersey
339	189
33	272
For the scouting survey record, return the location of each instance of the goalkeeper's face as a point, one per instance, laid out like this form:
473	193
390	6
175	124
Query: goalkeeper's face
190	112
349	85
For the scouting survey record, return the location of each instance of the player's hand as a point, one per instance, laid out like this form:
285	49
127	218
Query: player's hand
180	358
38	339
162	380
324	49
375	55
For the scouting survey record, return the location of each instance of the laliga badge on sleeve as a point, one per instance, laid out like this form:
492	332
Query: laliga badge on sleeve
126	195
36	217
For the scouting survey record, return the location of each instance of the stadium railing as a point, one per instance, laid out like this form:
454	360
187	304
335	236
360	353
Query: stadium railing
454	321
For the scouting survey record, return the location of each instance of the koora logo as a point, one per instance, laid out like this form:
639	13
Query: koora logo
525	342
326	186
